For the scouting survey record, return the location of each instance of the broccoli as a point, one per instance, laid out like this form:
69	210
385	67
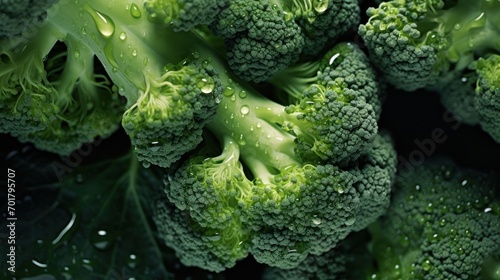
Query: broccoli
18	16
473	96
277	181
443	223
171	87
415	42
352	68
263	37
184	15
350	259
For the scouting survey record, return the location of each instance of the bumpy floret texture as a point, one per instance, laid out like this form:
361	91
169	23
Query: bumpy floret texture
259	41
184	15
443	223
331	20
415	42
487	97
18	16
167	120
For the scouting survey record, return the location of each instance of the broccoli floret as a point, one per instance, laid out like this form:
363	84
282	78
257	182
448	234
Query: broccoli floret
18	16
350	259
184	15
473	95
443	223
322	22
345	63
263	37
260	41
414	42
487	97
60	103
171	86
265	193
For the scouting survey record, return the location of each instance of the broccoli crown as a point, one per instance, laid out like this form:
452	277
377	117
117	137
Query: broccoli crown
414	42
17	16
457	96
339	97
348	260
172	112
260	40
487	97
170	80
430	232
57	102
324	21
472	96
184	15
262	196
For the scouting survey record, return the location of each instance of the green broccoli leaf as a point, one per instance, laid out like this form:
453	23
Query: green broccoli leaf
93	223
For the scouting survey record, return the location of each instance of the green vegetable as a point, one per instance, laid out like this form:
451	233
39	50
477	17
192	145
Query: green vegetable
282	185
414	42
443	223
91	224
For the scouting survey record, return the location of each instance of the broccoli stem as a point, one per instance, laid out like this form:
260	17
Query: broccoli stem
251	120
297	78
472	28
127	44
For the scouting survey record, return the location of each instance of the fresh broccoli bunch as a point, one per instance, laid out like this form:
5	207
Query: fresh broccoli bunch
443	223
59	87
263	37
278	181
416	42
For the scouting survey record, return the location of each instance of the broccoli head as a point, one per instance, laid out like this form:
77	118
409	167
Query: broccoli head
262	37
54	83
415	41
443	223
256	186
18	16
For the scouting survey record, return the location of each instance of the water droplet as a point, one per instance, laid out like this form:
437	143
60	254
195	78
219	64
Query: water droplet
123	36
154	146
39	264
333	58
244	110
102	239
320	6
146	164
243	94
206	85
316	220
104	23
350	221
215	237
241	140
259	125
108	52
134	52
457	26
84	31
257	144
464	182
132	261
135	11
487	210
229	91
77	53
